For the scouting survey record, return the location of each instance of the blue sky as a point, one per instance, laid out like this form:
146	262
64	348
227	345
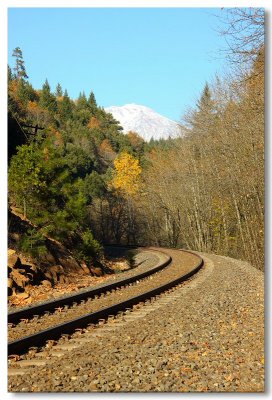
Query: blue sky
157	57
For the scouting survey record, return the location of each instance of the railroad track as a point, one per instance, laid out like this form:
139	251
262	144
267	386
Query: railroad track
48	306
173	268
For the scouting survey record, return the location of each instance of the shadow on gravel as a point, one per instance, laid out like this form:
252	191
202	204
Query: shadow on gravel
123	252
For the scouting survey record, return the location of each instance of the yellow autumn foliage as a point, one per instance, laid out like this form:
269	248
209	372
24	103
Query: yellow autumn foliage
127	174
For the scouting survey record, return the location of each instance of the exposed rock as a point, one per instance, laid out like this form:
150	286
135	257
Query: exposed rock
11	251
28	289
10	287
53	273
69	263
28	266
22	296
13	260
20	279
63	279
46	283
85	268
49	258
21	272
96	271
10	283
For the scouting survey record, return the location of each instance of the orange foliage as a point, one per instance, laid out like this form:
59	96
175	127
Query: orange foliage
58	136
106	150
134	138
93	123
13	85
32	105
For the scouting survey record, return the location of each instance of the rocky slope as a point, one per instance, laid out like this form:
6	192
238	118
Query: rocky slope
57	266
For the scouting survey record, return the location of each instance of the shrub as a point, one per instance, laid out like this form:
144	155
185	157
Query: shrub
33	243
89	249
130	257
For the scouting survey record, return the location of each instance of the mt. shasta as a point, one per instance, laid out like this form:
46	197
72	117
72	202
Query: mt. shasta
144	121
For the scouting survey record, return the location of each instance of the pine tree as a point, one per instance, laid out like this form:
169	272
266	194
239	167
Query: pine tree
47	99
92	103
82	112
26	177
10	74
82	102
205	104
65	106
19	68
58	92
204	117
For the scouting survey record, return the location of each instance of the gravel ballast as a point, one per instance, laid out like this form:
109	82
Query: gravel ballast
207	336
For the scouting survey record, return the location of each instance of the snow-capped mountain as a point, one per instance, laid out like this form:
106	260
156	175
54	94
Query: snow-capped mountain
144	121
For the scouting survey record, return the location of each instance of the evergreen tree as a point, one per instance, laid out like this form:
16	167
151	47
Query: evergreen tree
205	104
82	112
204	117
19	68
92	103
47	99
58	92
26	178
25	92
10	74
65	107
82	102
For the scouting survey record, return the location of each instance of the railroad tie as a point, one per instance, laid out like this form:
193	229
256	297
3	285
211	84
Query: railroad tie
20	366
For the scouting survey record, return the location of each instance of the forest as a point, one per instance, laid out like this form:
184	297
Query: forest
80	180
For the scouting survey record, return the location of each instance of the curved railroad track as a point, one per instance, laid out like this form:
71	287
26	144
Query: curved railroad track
174	267
28	312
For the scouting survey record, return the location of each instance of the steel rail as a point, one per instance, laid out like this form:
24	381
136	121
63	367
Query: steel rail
22	345
27	313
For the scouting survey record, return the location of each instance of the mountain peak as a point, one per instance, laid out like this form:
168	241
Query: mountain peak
144	121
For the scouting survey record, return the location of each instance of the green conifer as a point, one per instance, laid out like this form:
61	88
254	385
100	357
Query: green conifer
19	68
47	99
58	92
